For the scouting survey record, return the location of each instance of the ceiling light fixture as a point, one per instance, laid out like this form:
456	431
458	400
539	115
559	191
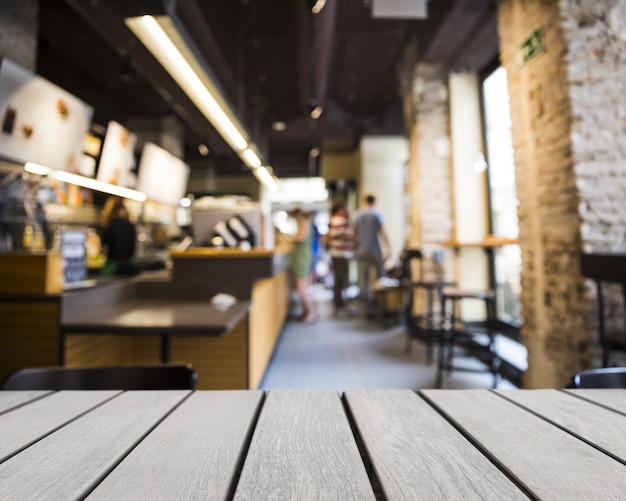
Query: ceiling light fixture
251	158
279	126
203	149
166	43
266	178
158	35
316	112
85	182
319	5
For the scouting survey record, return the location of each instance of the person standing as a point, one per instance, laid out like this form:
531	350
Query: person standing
340	249
118	238
369	231
302	261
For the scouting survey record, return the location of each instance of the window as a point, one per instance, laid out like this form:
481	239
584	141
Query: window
502	195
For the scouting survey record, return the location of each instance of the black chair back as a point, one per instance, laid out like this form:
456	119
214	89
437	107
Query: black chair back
611	377
143	377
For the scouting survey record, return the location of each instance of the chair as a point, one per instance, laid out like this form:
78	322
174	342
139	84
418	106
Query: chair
607	377
143	377
462	340
427	324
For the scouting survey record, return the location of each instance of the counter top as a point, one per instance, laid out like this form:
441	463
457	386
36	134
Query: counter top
152	317
210	252
488	242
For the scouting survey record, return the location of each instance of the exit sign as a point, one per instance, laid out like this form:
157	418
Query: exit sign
531	47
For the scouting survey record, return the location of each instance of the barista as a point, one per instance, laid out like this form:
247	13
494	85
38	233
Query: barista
119	238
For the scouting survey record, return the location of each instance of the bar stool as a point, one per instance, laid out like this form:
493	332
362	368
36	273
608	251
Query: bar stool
426	326
460	340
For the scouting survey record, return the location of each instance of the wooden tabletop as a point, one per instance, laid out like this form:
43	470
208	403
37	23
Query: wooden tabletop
310	445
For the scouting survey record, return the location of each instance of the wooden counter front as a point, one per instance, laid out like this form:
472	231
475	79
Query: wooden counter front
235	360
31	323
31	273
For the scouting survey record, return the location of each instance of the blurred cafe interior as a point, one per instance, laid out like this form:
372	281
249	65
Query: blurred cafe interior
492	133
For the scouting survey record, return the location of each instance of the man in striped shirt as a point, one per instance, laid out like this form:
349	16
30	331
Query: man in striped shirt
341	252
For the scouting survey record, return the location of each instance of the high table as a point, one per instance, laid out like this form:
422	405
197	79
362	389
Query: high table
381	444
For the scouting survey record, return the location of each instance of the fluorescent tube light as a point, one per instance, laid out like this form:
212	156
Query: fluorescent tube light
251	158
85	182
316	112
265	177
93	184
166	43
38	169
157	35
319	5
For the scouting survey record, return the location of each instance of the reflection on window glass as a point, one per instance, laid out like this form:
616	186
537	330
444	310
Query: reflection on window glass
502	194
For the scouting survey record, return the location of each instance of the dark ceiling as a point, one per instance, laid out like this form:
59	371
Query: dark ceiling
275	60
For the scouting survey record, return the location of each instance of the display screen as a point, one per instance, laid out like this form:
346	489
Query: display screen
162	176
117	159
40	122
74	255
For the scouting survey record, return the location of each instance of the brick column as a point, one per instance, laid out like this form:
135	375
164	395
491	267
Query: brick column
429	183
554	304
595	33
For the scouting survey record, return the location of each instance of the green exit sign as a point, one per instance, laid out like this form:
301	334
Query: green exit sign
531	47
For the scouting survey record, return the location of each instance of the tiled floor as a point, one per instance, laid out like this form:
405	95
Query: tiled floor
354	353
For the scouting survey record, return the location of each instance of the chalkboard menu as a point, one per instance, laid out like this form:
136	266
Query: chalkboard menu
74	255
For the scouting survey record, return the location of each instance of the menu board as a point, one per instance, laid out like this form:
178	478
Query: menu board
40	122
74	255
162	176
117	159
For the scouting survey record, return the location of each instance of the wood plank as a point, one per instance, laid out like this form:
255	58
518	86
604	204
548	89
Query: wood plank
549	462
611	398
417	454
268	310
12	399
69	463
28	334
31	272
194	454
221	362
303	448
604	428
27	424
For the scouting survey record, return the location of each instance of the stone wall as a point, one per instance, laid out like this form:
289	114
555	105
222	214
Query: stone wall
19	26
554	306
430	186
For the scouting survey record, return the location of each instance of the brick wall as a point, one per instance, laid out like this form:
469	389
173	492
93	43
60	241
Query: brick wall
18	31
596	36
554	304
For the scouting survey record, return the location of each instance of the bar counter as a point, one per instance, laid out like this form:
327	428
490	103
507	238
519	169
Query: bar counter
163	315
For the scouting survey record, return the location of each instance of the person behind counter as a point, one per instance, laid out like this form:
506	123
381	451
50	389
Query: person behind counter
119	237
